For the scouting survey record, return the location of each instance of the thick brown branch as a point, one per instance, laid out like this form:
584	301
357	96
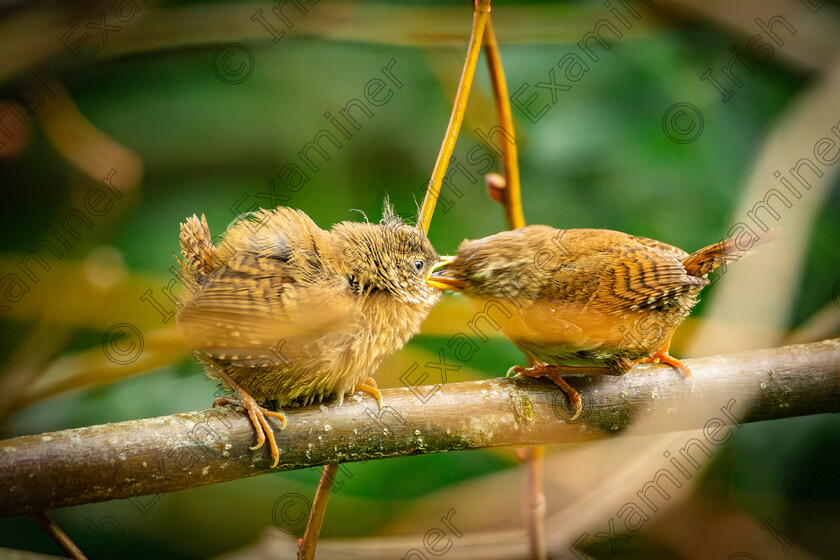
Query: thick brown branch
155	455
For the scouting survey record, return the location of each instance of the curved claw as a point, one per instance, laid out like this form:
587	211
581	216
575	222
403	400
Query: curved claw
666	358
276	414
369	386
258	415
576	402
663	356
269	433
259	427
537	370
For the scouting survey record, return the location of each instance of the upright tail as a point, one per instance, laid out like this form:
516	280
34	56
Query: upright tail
197	247
702	262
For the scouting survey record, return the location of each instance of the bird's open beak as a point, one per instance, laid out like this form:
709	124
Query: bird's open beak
437	278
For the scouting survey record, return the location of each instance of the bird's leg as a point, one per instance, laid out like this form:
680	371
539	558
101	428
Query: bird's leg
256	413
369	386
662	355
555	373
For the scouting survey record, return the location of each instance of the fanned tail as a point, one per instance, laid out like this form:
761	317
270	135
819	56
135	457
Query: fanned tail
702	262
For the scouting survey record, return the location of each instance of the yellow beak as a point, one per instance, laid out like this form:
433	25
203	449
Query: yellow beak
441	281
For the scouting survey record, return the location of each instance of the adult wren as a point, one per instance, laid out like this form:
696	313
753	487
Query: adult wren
284	312
583	301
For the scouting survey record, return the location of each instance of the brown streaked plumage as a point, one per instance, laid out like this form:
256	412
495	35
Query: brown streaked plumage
583	300
285	312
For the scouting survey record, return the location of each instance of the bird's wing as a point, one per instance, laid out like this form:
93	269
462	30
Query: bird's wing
250	319
625	278
272	300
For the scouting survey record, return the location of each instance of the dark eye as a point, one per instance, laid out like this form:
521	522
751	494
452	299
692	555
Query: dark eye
418	266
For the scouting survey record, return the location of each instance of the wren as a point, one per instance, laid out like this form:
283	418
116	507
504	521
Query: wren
584	301
284	312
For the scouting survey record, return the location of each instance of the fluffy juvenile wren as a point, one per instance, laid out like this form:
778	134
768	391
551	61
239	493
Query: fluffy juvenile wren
583	300
284	312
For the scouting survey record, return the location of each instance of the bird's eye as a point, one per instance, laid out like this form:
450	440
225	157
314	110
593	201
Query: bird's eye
418	265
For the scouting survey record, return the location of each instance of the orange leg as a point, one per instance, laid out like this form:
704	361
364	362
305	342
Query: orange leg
369	386
555	373
662	355
256	413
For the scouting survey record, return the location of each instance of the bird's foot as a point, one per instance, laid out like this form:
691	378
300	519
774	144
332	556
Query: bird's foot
369	386
258	415
533	371
664	357
256	412
554	373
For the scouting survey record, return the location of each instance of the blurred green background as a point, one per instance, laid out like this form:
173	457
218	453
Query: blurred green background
152	99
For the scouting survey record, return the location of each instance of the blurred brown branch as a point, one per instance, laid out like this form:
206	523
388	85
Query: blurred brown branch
156	455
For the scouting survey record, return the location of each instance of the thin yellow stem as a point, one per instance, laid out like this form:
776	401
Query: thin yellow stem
511	194
480	16
306	546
